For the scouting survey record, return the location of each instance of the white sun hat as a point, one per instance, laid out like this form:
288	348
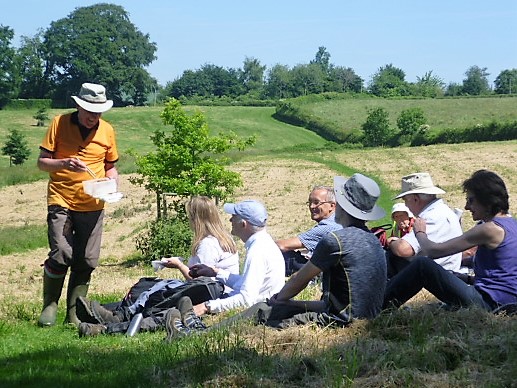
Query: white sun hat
92	97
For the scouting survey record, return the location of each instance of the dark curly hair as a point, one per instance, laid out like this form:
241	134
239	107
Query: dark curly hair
489	189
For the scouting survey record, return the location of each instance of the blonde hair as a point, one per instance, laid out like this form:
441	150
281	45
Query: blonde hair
205	221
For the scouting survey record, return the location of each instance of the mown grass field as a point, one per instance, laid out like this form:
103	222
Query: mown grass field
421	347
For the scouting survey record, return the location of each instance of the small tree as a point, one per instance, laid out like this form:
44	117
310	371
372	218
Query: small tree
41	116
376	127
187	160
16	147
410	120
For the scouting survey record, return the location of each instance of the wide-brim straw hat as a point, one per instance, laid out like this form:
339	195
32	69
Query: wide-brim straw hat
418	183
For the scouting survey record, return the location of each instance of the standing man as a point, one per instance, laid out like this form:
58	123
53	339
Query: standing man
263	273
75	144
420	196
297	250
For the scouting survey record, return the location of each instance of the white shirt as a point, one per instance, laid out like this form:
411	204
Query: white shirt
262	277
209	252
442	224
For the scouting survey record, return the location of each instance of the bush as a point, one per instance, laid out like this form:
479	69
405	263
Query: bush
165	237
376	128
410	120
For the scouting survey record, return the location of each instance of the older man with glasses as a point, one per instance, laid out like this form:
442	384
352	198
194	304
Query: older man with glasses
298	249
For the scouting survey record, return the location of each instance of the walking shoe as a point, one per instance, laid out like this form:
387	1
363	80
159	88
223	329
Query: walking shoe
83	310
91	311
102	314
91	329
188	316
175	328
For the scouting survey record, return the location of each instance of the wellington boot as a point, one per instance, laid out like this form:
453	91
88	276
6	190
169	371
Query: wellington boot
51	293
77	286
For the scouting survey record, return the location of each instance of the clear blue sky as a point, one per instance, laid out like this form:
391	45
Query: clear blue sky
445	36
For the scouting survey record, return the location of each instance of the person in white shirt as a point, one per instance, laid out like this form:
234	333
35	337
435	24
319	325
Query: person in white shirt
420	196
264	267
212	244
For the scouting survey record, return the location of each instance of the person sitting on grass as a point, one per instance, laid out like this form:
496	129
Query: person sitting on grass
264	267
352	263
403	220
212	245
420	196
298	249
495	261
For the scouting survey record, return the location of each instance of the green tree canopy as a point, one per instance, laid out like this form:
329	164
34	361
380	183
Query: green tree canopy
506	82
429	85
99	44
33	83
253	75
187	160
389	81
476	82
8	68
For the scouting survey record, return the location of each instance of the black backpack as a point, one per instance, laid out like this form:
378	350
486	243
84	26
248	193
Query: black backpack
199	290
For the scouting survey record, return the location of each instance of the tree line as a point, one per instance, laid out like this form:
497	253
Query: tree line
100	44
319	76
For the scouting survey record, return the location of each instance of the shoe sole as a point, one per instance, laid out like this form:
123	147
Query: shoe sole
84	312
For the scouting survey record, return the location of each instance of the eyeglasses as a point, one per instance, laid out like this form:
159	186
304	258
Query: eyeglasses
316	203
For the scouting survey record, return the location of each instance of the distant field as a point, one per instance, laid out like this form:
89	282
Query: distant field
134	126
440	113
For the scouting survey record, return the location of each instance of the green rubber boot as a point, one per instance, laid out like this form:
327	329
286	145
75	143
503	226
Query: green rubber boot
77	286
51	293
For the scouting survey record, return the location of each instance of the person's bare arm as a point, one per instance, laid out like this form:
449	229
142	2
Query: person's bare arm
488	234
175	262
111	171
289	244
46	162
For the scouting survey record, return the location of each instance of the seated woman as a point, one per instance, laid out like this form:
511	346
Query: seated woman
212	245
495	262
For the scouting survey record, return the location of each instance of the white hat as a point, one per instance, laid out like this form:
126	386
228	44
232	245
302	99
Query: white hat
400	207
252	211
92	97
419	183
357	196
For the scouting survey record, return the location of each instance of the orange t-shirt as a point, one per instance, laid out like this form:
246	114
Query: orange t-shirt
64	140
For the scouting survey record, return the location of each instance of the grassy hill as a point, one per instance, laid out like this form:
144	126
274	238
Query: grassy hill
445	113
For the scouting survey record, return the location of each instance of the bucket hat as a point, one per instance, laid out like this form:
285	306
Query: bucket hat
418	183
357	196
92	97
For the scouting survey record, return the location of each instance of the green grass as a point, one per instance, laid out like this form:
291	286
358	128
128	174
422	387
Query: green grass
428	347
441	113
134	126
22	239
